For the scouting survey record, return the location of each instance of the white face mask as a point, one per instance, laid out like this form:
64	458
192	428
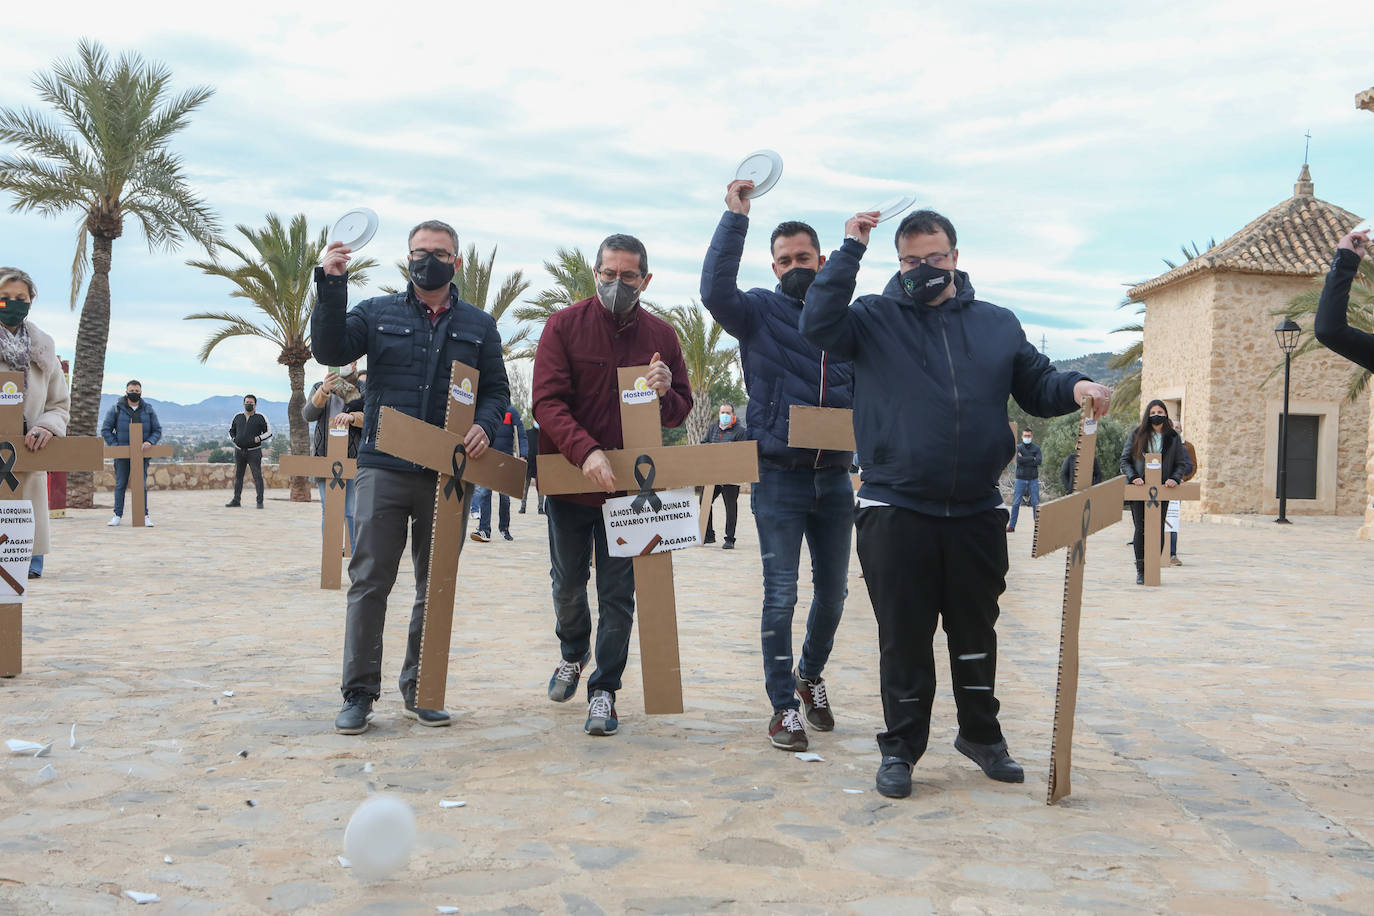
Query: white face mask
1026	439
725	419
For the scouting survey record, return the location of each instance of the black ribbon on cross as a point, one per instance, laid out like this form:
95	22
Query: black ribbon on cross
1080	547
646	495
7	458
1153	501
337	470
455	481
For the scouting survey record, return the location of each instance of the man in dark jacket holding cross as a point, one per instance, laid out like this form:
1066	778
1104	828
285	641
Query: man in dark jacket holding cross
935	366
411	340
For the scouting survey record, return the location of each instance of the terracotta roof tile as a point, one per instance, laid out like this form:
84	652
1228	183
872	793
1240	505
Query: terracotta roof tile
1295	238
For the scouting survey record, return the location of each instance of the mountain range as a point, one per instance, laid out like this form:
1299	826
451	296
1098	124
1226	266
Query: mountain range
216	411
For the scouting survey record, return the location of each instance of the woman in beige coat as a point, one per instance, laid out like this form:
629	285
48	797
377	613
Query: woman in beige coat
47	402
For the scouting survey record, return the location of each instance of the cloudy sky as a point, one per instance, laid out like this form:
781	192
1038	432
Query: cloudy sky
1072	144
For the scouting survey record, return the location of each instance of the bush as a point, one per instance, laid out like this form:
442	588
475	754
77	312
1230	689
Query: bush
1060	439
222	456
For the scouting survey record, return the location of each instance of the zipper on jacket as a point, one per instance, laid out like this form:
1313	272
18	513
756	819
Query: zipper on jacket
819	452
954	387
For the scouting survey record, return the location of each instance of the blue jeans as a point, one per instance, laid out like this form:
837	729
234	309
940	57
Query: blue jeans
790	504
574	531
36	564
349	503
481	502
122	484
1017	491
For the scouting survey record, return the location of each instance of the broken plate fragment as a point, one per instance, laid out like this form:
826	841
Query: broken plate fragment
809	757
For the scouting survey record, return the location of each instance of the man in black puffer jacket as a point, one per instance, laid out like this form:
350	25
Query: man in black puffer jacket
411	340
933	367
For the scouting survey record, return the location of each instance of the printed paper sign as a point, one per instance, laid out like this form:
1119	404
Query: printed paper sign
1089	427
462	392
633	531
338	430
11	394
640	393
1171	517
1153	464
16	548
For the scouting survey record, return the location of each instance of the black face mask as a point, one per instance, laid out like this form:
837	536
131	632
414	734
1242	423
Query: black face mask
13	312
133	398
248	406
429	273
1157	420
926	283
797	281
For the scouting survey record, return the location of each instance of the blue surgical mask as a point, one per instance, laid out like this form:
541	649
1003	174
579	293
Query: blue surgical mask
725	419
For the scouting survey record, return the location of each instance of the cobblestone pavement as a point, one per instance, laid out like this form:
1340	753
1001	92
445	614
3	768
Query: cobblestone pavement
1222	761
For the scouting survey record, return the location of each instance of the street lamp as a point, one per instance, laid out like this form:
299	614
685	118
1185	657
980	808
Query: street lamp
1287	334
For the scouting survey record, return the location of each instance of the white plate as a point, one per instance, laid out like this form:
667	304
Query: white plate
1366	226
892	206
379	837
355	228
763	168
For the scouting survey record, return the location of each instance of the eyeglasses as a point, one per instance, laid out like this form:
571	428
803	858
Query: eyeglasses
934	260
444	257
629	276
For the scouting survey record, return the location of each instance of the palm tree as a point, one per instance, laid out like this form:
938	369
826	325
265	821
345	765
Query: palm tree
107	158
707	364
474	285
573	280
1126	395
277	277
1360	315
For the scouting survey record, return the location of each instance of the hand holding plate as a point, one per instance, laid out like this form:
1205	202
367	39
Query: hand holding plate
736	198
860	225
335	261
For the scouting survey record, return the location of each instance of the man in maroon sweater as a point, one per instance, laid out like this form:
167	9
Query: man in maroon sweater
576	397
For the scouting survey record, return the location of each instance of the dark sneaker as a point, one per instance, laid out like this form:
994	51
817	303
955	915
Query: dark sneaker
563	684
434	718
994	760
353	718
601	718
815	703
480	535
785	730
728	545
232	504
709	538
507	535
259	504
894	778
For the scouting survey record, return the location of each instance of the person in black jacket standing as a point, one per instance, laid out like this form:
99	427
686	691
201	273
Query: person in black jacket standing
1027	477
930	530
729	429
248	432
1156	435
1332	326
411	340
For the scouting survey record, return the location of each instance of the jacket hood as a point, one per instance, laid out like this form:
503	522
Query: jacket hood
963	295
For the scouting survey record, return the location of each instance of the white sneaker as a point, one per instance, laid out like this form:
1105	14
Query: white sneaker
148	523
113	522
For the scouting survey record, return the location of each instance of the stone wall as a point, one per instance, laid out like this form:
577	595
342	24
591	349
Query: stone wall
1209	341
193	475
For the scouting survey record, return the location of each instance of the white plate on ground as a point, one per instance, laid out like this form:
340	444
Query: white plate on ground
892	206
355	228
763	168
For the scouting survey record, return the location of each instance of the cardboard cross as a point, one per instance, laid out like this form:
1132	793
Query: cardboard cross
673	466
62	453
135	453
1068	522
336	468
1154	494
441	450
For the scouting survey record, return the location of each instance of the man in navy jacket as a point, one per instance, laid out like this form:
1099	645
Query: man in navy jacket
935	366
800	492
411	340
115	431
